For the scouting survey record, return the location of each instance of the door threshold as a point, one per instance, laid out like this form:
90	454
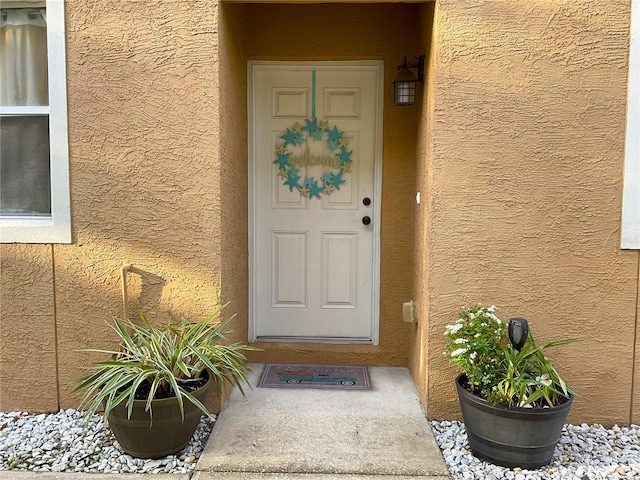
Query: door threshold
291	339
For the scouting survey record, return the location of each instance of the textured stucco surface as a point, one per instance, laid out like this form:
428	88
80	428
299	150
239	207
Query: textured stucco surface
517	150
157	128
635	388
523	190
233	171
419	352
27	329
144	129
386	32
145	174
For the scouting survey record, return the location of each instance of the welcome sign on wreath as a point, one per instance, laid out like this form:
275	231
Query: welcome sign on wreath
309	145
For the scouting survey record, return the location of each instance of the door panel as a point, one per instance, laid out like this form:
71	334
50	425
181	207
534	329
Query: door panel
339	270
289	268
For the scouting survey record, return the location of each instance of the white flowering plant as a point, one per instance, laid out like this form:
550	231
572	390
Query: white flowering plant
495	370
475	343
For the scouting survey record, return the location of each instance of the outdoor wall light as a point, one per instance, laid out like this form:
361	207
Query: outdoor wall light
518	332
404	86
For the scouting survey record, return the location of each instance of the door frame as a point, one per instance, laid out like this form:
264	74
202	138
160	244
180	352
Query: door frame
377	195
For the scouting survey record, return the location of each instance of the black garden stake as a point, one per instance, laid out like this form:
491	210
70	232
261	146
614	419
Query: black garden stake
518	332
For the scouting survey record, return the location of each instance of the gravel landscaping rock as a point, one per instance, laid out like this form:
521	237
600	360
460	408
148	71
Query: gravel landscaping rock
60	442
584	452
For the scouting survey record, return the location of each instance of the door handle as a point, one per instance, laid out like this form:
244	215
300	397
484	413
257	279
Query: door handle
366	220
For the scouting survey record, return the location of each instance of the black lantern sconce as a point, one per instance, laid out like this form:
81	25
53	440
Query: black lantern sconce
404	86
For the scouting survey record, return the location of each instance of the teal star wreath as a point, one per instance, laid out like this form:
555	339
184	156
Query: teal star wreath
340	160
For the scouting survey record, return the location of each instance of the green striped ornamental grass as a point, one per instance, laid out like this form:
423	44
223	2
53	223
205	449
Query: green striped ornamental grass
163	362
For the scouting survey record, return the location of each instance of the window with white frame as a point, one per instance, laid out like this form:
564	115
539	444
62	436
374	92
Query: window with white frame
34	159
630	231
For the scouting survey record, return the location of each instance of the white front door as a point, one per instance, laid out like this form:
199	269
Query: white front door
315	150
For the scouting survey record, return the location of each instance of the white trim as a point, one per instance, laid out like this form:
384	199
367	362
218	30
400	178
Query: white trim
630	230
57	227
336	340
252	327
377	204
30	110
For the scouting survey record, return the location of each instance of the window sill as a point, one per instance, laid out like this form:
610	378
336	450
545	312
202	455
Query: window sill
33	230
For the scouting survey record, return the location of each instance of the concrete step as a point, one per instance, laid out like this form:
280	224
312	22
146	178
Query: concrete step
306	476
324	433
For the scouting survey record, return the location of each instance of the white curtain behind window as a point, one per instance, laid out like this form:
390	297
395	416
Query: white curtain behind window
23	57
25	180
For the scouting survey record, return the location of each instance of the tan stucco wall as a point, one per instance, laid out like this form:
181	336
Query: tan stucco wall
517	150
27	329
145	184
419	353
233	171
522	191
158	158
386	32
635	389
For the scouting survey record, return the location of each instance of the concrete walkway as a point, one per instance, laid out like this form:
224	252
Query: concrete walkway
311	434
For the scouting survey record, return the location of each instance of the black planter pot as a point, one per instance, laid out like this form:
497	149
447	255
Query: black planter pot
511	437
167	434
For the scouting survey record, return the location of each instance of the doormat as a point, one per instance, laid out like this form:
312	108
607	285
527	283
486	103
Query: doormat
338	377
